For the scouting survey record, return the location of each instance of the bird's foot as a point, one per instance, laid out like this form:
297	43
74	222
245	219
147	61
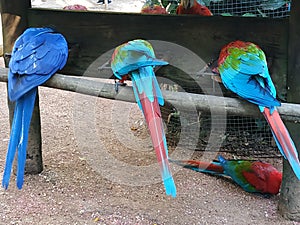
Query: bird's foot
213	65
118	84
7	57
175	114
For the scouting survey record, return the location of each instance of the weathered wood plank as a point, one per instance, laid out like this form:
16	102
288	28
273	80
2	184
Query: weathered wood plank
182	100
96	33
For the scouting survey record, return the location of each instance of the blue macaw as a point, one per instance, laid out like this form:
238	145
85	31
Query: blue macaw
37	54
243	69
137	58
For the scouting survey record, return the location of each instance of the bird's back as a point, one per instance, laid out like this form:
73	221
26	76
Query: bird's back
243	69
37	54
133	55
235	169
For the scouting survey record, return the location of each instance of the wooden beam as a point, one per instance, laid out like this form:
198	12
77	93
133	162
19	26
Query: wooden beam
14	22
289	204
97	33
181	100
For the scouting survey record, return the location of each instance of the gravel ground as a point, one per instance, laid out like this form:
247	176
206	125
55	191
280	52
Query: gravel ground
99	168
94	173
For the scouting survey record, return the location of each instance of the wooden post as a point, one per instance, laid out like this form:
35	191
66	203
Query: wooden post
289	204
14	22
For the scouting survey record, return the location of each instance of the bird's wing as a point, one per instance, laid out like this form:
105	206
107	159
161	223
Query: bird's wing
244	71
37	56
133	55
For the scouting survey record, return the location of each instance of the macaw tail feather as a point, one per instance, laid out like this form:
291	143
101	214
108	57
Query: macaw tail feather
28	105
19	137
13	143
283	140
148	98
199	166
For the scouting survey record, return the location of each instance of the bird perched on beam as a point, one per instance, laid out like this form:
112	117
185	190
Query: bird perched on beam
137	59
37	54
243	70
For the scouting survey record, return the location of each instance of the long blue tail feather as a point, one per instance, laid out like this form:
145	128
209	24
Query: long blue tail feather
13	143
28	101
19	138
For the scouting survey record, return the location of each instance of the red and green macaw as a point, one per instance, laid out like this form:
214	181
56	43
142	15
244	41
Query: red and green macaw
192	7
153	7
137	59
252	176
37	54
243	70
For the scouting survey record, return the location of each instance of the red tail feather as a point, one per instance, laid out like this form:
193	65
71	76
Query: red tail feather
152	115
283	139
153	118
204	165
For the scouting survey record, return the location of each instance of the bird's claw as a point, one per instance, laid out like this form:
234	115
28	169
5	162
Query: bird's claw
7	57
117	84
174	113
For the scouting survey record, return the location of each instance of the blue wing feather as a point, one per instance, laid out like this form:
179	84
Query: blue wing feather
254	92
250	79
246	74
230	168
26	72
129	66
134	55
251	64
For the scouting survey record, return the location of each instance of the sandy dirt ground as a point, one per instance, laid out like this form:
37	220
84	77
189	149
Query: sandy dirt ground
81	185
99	168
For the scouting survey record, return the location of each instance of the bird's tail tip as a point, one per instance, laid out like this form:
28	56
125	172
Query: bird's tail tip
20	184
5	180
170	186
5	186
